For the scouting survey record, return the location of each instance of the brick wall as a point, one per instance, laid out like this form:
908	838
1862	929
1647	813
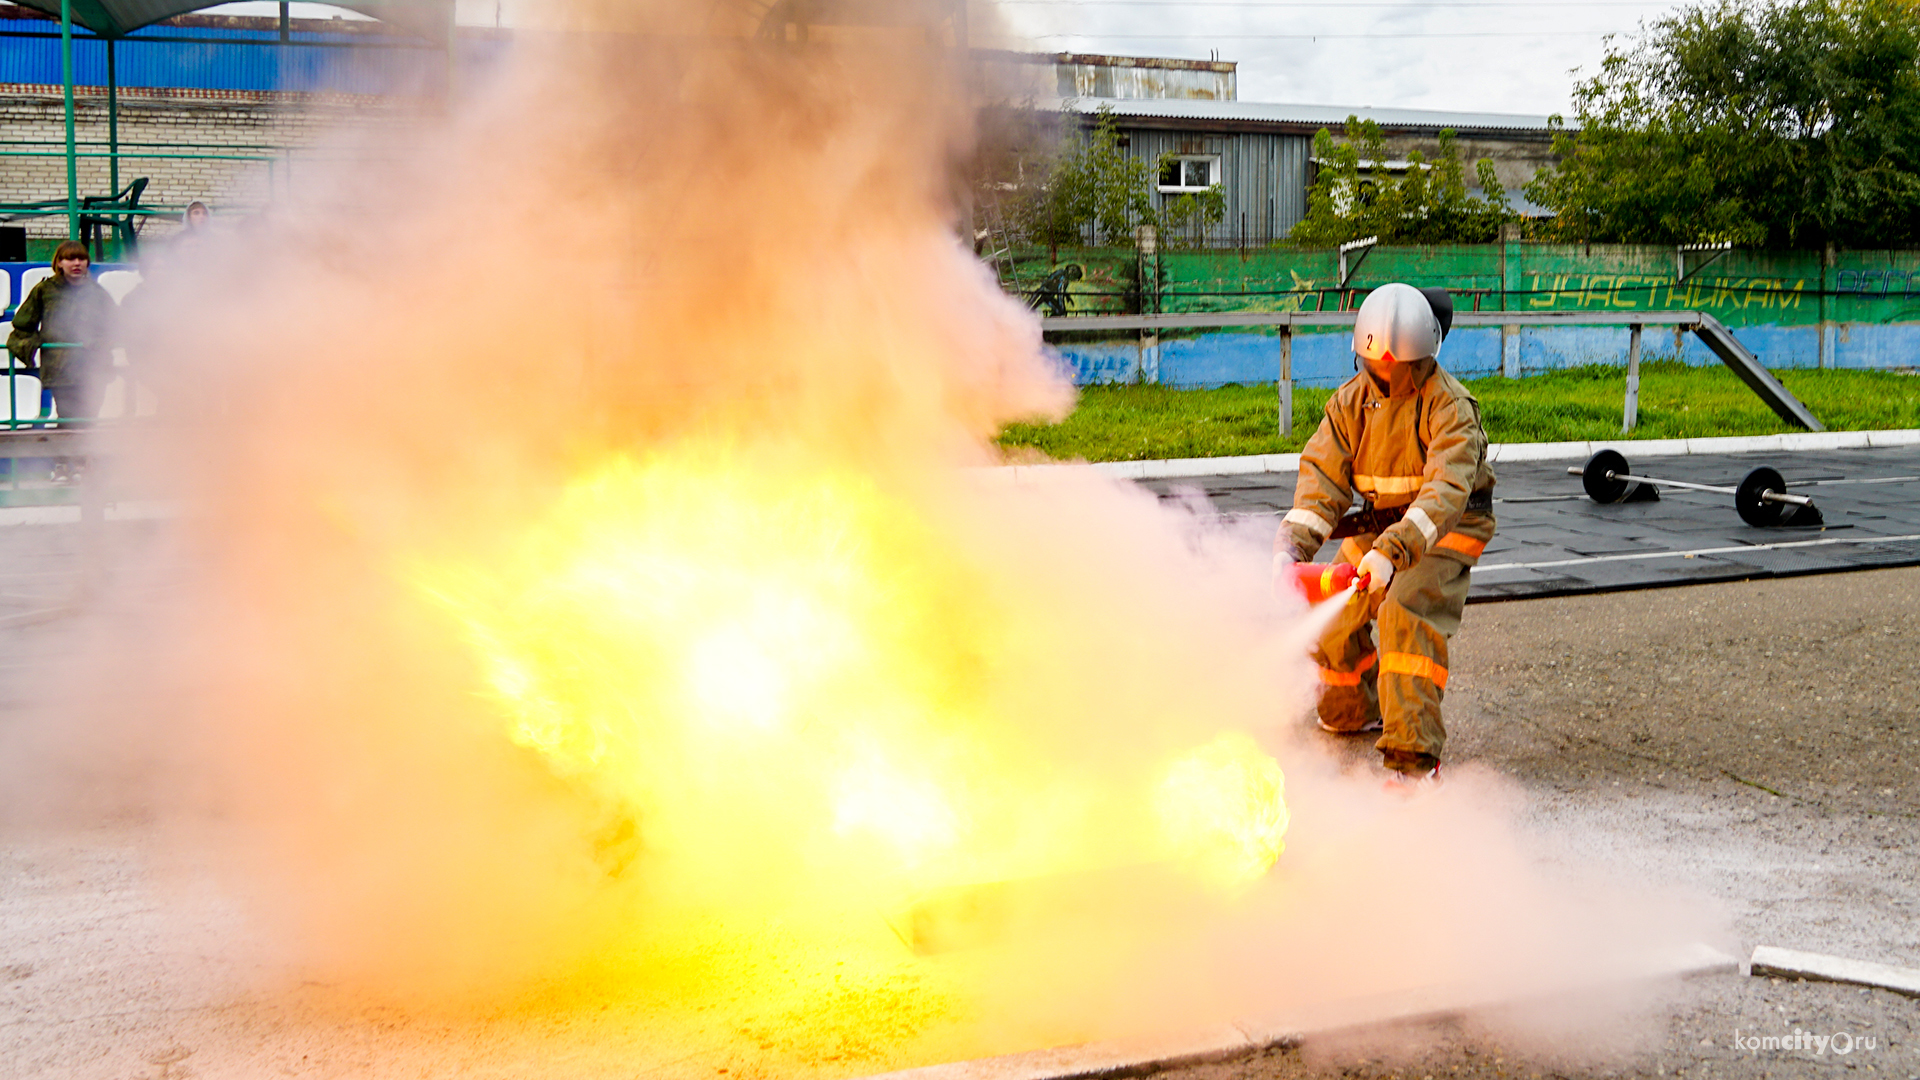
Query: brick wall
283	125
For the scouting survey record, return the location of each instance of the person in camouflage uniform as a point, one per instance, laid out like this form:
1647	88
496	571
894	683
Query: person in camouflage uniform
70	307
1404	437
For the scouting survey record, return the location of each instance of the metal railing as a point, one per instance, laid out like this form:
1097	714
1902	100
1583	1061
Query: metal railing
42	419
1710	330
280	159
269	159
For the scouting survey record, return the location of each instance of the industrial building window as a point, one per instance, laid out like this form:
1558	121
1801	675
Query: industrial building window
1189	173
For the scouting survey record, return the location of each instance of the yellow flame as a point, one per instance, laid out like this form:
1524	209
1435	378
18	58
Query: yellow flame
910	814
1224	807
791	669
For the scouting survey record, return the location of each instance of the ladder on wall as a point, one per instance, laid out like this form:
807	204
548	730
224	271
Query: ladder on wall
996	243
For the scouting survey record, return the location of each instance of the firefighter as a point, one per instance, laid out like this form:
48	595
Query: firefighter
1404	438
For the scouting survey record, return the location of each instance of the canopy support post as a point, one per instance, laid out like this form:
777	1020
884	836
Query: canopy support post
113	122
453	54
66	80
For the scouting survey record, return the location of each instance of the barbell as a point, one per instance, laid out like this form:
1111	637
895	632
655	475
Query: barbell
1761	497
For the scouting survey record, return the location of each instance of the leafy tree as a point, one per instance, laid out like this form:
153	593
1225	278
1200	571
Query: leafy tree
1790	124
1355	196
1192	213
1093	184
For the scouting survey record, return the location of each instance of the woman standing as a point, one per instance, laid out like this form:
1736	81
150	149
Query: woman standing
71	311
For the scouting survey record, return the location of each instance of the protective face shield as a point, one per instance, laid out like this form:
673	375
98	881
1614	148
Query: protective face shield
1441	301
1396	324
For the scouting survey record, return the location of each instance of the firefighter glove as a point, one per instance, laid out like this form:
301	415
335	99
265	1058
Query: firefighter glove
1379	570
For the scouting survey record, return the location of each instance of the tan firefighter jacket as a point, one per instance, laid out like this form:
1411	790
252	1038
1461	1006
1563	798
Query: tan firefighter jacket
1419	445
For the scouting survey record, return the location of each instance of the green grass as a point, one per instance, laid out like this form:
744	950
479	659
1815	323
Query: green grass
1130	423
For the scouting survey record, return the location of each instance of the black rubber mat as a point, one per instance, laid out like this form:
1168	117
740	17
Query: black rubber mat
1554	541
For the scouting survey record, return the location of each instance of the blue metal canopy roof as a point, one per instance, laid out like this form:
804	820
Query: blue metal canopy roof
430	19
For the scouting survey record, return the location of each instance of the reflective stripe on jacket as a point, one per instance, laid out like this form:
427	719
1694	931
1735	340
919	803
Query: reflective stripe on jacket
1417	444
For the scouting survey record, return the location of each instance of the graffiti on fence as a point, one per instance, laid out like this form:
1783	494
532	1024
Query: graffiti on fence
1654	292
1054	293
1877	282
1296	298
1779	288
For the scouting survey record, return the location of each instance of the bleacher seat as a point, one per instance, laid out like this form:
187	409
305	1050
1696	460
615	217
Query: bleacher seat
119	283
30	278
113	399
26	397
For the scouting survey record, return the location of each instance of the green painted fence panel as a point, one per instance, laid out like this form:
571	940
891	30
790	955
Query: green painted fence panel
1792	309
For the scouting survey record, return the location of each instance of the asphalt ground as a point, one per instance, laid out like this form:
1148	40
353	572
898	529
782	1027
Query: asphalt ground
1756	741
1554	541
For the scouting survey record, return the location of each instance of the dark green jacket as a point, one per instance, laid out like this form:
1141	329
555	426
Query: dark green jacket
58	311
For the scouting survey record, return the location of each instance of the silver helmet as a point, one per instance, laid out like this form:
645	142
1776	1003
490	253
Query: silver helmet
1396	320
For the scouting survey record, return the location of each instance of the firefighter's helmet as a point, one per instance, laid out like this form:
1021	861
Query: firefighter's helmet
1396	322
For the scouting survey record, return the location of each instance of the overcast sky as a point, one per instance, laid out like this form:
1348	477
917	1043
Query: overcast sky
1470	55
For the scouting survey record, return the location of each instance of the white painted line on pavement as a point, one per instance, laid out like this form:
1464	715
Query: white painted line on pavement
1248	1034
1869	480
1783	545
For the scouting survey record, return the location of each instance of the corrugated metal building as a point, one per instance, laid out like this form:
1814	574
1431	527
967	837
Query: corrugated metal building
1134	77
1262	174
1024	76
1259	152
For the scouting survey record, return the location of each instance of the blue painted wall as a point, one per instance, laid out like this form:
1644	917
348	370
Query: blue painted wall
238	61
1325	358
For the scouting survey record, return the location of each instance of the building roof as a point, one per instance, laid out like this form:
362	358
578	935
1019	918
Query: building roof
1166	63
1518	202
118	18
1306	119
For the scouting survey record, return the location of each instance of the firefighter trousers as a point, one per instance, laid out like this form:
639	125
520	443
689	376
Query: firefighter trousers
1400	681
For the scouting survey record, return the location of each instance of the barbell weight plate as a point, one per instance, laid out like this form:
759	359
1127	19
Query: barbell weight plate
1755	510
1600	487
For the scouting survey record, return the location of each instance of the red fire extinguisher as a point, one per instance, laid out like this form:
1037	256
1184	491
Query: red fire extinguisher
1320	581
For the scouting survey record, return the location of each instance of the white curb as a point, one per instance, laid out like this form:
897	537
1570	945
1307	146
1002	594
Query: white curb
69	513
1768	960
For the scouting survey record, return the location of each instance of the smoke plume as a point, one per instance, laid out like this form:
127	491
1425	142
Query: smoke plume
586	600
